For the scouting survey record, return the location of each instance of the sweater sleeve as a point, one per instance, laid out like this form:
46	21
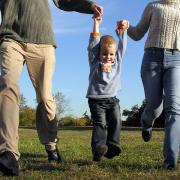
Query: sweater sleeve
137	32
122	45
81	6
93	48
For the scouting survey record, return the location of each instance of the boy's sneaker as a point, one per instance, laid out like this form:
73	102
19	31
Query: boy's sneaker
169	167
146	135
8	164
112	151
54	155
100	151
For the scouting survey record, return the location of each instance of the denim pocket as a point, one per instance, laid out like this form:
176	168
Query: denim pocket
152	61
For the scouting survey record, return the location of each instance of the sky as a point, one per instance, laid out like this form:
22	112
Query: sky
72	31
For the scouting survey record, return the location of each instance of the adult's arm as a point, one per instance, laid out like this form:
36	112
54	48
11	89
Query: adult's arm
82	6
138	31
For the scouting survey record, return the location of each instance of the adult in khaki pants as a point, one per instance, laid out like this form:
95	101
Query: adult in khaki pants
26	37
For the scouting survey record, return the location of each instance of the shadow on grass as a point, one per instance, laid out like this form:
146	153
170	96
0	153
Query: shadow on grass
81	162
133	166
32	158
115	165
31	155
38	162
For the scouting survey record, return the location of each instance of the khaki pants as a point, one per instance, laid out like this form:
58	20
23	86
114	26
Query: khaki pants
40	61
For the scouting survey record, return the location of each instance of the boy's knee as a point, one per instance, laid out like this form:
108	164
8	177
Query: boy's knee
150	115
100	124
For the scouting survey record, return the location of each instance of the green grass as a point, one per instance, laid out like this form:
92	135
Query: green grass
138	160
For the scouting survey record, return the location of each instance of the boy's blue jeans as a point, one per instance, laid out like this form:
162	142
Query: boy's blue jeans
106	117
160	73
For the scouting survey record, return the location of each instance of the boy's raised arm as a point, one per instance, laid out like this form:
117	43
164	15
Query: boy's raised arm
93	48
121	32
97	22
122	35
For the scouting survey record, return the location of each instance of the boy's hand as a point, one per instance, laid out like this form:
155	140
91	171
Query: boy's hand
98	10
98	20
123	24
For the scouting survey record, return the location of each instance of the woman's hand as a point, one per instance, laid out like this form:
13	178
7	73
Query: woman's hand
123	24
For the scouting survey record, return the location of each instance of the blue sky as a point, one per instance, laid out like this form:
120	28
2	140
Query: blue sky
71	75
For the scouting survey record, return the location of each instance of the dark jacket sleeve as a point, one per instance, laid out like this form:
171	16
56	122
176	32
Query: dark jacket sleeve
1	4
82	6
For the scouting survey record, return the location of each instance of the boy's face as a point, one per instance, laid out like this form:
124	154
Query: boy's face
107	53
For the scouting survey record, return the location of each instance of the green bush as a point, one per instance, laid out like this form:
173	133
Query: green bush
66	121
82	122
71	121
27	116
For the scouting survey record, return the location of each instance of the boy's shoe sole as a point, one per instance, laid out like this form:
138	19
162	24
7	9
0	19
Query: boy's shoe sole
100	151
112	151
169	167
146	135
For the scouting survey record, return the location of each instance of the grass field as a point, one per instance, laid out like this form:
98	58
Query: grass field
138	160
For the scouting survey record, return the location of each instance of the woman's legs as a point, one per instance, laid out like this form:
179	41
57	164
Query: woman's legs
172	108
151	74
160	71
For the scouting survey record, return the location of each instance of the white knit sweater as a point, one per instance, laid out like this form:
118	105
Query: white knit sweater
162	19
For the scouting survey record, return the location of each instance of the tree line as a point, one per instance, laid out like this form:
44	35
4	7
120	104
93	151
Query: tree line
133	116
27	114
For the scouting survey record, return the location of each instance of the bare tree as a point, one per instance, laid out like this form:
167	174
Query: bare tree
22	102
62	104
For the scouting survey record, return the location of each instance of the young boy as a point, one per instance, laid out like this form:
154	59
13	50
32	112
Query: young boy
104	84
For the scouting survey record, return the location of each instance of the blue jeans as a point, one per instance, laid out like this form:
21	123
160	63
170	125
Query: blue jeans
160	73
106	117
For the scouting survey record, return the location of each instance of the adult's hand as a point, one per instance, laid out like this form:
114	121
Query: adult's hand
98	10
123	24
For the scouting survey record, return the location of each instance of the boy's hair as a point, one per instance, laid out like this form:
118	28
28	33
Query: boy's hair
107	39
